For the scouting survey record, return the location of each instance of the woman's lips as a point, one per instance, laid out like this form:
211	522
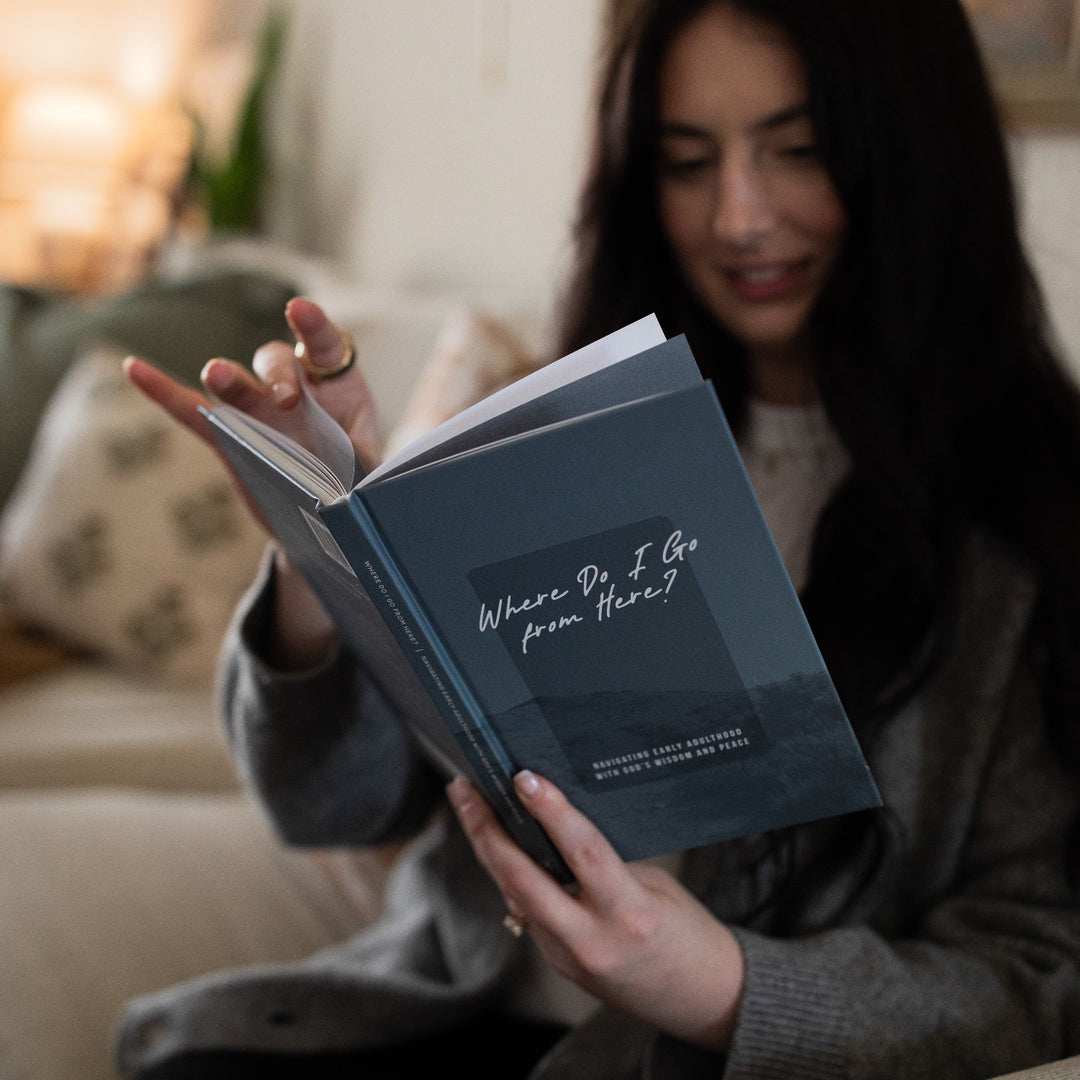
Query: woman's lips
767	281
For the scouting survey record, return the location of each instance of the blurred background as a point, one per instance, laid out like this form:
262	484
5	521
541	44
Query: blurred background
171	171
412	142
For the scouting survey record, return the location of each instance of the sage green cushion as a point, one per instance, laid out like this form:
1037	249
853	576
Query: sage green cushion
178	325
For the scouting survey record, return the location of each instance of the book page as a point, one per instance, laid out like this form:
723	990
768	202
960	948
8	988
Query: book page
617	346
664	367
280	451
333	469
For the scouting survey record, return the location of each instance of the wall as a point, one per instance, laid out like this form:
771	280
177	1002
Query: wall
1047	167
448	137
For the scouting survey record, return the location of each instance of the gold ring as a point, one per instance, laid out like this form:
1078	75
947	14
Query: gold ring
516	924
318	372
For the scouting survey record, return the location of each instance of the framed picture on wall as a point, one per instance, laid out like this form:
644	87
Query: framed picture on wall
1032	48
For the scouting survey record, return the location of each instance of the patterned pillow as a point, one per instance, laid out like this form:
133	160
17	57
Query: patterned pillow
124	536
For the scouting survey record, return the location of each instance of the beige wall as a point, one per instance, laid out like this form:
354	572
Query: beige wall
435	142
1047	168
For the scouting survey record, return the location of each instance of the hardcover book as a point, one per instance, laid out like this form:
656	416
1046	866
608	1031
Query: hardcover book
574	577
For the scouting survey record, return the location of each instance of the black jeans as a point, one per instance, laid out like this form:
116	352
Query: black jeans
493	1047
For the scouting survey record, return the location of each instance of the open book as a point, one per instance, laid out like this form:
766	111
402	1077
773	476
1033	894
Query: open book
574	577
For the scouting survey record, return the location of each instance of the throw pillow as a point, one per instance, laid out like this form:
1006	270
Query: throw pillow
124	536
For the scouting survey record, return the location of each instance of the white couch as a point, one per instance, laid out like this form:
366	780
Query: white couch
131	856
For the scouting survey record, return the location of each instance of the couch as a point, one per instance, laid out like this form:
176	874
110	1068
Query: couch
123	550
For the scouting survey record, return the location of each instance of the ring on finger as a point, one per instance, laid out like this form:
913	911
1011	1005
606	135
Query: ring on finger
516	924
317	370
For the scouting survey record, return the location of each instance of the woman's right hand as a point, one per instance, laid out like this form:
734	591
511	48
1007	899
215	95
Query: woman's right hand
302	634
271	390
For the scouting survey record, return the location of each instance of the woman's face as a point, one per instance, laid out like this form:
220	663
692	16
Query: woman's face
745	201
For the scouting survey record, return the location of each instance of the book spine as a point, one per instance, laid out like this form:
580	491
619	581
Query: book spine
362	544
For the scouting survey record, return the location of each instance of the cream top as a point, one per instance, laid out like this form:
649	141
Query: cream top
795	462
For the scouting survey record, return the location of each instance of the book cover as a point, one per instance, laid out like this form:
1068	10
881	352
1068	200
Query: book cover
610	595
596	597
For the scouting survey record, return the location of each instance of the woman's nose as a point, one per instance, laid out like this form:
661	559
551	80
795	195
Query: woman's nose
743	213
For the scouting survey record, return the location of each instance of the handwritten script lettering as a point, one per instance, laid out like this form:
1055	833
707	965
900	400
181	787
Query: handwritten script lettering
505	608
604	592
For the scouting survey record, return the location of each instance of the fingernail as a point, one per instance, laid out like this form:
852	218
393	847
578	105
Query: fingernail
526	783
283	392
458	791
224	374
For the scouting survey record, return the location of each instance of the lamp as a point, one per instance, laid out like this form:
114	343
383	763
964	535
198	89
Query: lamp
95	143
87	178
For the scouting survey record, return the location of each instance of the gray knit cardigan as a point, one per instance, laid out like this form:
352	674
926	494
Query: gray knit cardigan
955	956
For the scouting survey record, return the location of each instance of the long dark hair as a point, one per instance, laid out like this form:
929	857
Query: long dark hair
933	357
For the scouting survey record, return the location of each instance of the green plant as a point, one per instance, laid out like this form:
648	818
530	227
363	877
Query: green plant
231	190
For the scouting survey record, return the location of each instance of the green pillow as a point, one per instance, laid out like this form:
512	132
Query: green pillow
178	325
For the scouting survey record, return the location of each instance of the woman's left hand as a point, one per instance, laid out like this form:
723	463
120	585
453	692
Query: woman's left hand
631	934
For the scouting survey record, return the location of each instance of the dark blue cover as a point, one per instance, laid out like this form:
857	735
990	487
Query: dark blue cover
605	603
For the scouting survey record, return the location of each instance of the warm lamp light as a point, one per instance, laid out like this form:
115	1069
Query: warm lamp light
80	125
70	211
94	145
86	178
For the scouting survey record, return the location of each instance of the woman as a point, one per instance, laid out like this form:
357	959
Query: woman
818	196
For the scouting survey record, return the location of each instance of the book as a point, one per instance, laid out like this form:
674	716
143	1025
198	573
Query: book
574	576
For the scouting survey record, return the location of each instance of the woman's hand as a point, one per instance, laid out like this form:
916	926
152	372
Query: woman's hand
302	634
631	935
273	391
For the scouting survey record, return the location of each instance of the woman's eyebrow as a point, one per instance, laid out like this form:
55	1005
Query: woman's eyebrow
781	118
677	130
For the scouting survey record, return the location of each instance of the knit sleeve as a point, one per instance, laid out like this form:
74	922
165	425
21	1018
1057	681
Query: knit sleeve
322	749
983	978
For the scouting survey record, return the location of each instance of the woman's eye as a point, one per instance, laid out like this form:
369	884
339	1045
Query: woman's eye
800	152
684	167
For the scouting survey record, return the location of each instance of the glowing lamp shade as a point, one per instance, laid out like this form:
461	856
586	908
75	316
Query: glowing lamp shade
94	145
81	125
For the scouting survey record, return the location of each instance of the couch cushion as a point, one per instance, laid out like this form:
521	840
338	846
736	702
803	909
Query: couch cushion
84	725
178	325
25	656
